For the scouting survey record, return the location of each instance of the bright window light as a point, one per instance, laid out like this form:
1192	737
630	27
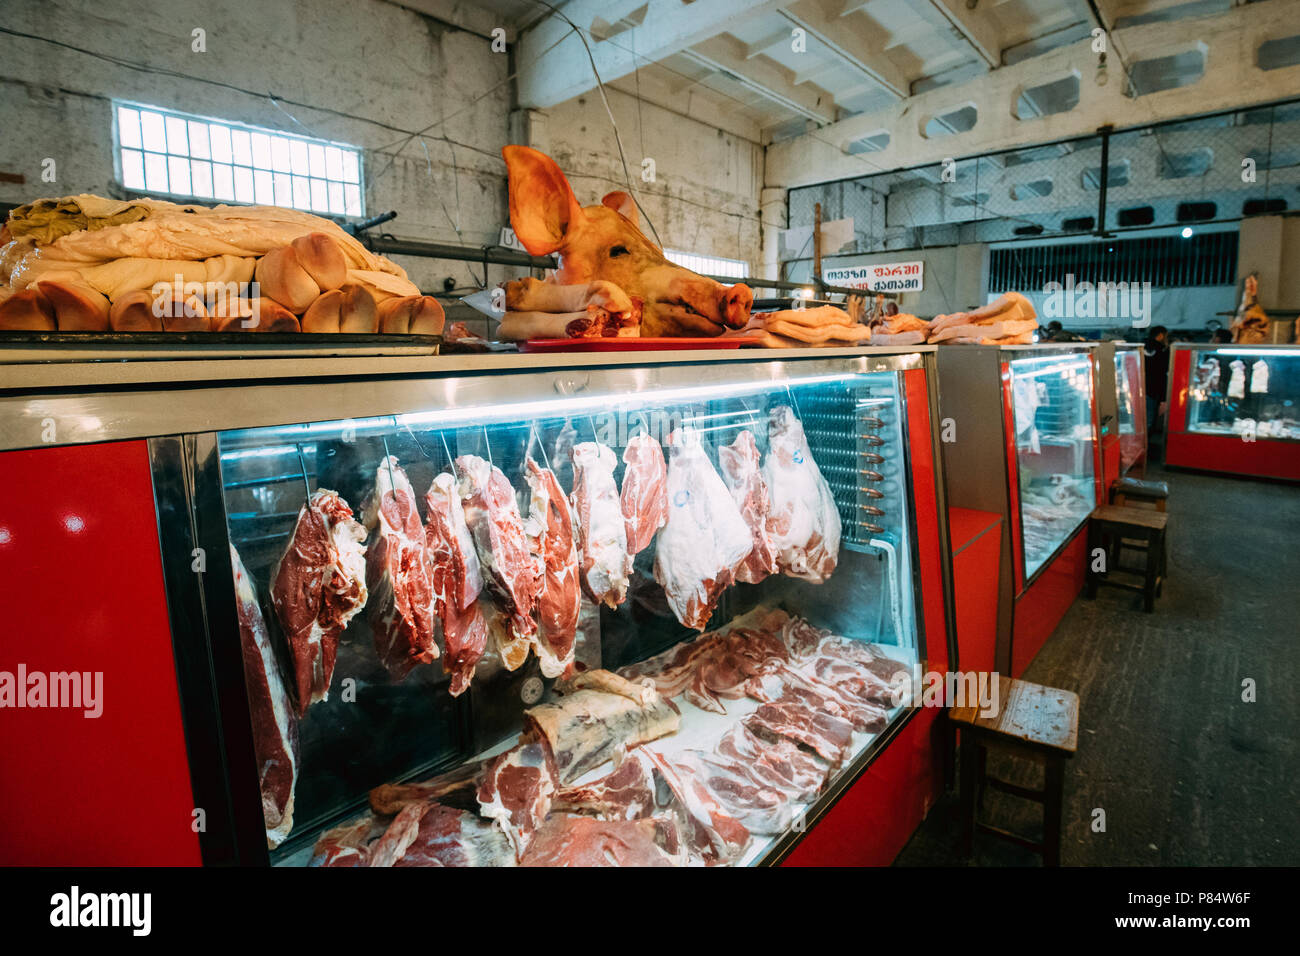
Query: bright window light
709	265
191	157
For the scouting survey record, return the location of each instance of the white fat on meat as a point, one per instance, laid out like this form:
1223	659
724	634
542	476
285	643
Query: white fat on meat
516	791
645	491
549	530
601	531
275	726
509	569
706	536
759	808
804	522
781	764
457	580
742	472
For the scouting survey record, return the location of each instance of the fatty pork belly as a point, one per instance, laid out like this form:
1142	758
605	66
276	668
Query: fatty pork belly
317	587
275	726
804	522
742	472
509	570
401	608
780	764
550	539
601	530
456	579
706	537
645	492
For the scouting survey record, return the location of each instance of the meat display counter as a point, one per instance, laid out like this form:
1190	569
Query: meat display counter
1023	444
1130	393
1235	409
524	610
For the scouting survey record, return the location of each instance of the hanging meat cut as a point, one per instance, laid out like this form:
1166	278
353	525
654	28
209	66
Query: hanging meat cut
509	571
741	471
318	586
275	726
517	788
401	607
550	539
804	522
705	538
456	579
645	492
602	533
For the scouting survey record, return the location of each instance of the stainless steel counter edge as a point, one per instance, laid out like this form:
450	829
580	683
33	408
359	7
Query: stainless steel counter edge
202	396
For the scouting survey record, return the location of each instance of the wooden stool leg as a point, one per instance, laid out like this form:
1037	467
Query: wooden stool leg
967	773
1053	799
983	777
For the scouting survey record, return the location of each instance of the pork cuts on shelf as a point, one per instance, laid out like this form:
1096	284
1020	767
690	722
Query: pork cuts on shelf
781	764
275	726
705	538
585	841
516	790
401	612
602	533
456	579
829	736
645	491
759	808
317	587
804	522
742	471
509	570
550	539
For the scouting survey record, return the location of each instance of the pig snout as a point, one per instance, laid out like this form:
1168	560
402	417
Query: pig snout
735	304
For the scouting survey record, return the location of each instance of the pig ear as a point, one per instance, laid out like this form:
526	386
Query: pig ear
542	206
624	205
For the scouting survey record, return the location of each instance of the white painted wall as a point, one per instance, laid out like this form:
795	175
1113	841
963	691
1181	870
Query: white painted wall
390	69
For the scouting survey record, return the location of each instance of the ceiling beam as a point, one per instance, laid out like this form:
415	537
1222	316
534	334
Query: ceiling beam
847	39
761	75
975	26
552	59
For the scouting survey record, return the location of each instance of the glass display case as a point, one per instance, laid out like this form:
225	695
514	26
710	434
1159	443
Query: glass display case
1131	403
1051	413
1235	409
536	616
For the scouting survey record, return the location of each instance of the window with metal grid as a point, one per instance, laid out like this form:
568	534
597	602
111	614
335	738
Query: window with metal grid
165	153
1204	259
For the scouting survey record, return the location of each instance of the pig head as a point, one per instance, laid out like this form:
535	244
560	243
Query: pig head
606	242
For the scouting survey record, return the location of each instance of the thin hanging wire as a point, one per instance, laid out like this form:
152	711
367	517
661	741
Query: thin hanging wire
450	459
488	445
388	459
302	462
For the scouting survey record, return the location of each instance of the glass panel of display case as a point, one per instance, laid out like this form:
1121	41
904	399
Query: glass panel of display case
1131	402
1051	403
1243	391
808	613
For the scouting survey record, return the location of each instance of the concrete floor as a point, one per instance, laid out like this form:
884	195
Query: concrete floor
1186	772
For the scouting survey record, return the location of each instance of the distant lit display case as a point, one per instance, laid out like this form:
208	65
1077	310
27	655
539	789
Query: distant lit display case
1235	409
579	613
1024	445
1130	388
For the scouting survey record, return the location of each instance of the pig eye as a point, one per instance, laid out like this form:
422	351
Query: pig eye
618	251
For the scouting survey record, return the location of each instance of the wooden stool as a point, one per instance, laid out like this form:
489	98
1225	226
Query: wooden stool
1033	721
1113	528
1124	489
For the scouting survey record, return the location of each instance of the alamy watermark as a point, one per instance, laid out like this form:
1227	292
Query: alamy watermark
77	690
1102	300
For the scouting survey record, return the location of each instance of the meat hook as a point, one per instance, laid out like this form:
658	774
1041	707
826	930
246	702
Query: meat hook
302	463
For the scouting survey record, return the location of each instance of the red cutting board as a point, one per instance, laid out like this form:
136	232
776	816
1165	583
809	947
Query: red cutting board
637	344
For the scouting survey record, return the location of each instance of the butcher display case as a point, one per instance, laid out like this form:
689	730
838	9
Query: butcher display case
1130	394
517	609
1235	409
1024	445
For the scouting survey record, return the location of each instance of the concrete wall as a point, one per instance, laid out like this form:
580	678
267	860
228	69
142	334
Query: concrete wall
367	73
954	279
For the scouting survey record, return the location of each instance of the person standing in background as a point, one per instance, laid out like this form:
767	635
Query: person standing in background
1156	350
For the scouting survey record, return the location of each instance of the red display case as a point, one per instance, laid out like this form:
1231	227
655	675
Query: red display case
1235	410
165	477
1021	427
